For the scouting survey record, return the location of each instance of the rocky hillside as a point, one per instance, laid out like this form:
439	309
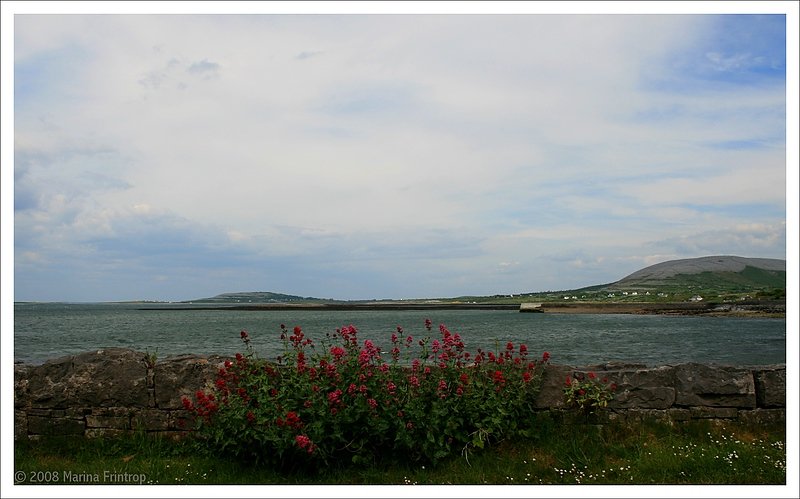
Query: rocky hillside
733	272
253	297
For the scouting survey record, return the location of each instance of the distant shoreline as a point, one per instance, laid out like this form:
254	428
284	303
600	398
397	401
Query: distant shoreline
743	309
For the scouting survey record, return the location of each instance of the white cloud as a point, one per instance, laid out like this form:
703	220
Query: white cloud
444	143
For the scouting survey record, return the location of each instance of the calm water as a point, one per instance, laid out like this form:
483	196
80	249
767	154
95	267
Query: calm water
45	331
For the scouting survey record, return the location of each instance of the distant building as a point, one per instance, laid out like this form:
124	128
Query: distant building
696	298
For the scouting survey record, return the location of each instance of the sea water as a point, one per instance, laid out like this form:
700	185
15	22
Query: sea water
51	330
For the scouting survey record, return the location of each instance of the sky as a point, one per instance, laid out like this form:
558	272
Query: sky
390	155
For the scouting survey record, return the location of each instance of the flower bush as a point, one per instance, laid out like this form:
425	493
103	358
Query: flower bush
587	392
350	399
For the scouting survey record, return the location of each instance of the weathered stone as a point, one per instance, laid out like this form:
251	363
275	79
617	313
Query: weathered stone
770	387
151	420
33	411
713	412
104	432
762	417
111	377
21	392
77	412
116	422
112	412
614	366
20	424
714	386
55	426
113	392
679	414
182	376
551	394
643	388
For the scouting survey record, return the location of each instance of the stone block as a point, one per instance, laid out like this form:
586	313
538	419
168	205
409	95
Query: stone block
551	394
763	417
679	414
110	377
637	387
104	432
21	392
182	376
55	426
714	386
116	422
151	420
770	387
20	424
713	412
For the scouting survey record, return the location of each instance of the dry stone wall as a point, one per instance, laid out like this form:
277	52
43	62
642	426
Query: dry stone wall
114	391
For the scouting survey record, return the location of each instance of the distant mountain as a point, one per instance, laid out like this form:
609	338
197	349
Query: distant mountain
254	297
715	272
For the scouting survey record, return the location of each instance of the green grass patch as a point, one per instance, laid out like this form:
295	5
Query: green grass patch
651	453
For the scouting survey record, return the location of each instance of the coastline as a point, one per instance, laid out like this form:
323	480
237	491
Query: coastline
771	309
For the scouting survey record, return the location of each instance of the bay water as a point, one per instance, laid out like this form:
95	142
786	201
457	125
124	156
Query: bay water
44	331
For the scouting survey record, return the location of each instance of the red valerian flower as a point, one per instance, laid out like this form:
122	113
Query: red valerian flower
244	336
337	352
251	418
334	397
591	375
305	443
293	420
545	356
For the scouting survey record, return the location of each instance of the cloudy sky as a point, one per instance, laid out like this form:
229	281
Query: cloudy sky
172	157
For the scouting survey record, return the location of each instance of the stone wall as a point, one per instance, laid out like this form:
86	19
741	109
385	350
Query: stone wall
113	391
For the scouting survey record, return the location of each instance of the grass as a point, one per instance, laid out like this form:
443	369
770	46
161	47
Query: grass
652	453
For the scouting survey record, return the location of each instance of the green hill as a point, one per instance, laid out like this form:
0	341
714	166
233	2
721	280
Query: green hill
255	297
711	277
716	278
